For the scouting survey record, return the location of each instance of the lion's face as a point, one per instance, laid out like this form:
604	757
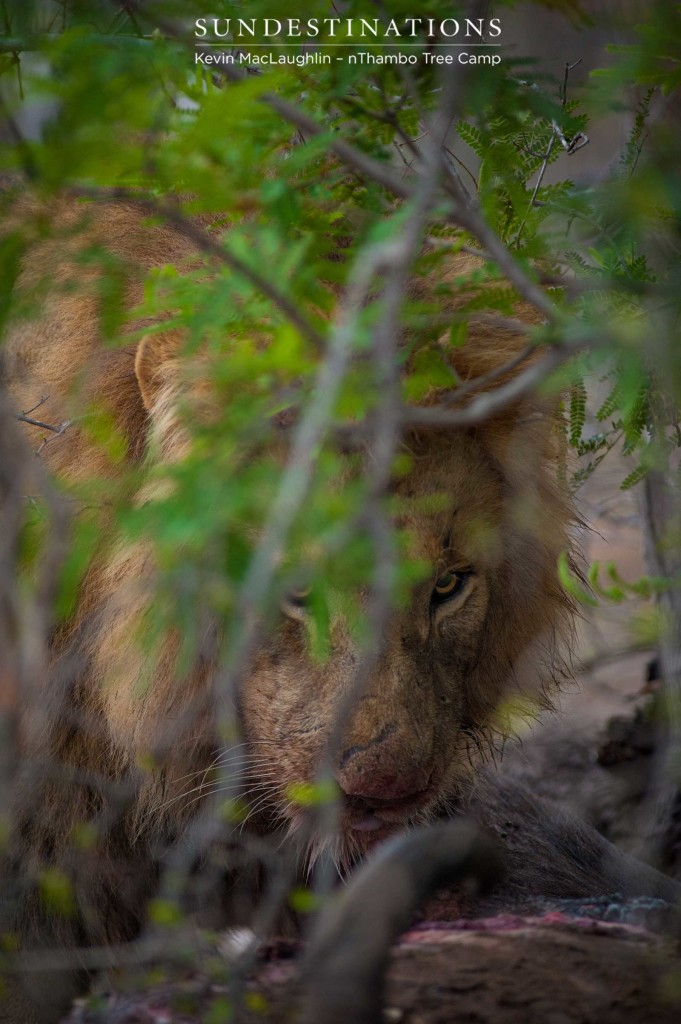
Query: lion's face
401	733
399	738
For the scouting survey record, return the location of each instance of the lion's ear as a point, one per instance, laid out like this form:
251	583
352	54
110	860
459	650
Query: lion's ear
156	354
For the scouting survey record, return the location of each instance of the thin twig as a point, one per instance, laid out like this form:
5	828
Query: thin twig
472	221
570	147
27	412
205	242
101	958
23	418
492	402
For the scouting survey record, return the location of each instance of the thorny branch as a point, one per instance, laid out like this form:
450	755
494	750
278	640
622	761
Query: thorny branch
23	418
383	444
461	212
57	431
493	402
54	429
392	260
292	490
570	146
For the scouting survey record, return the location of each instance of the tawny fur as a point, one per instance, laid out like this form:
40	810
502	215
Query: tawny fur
436	693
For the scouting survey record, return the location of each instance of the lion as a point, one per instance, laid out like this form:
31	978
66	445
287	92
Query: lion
115	778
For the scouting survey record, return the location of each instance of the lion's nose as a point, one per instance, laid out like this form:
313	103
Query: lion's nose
384	770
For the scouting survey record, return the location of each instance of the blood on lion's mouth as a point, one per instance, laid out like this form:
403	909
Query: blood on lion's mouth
384	815
365	822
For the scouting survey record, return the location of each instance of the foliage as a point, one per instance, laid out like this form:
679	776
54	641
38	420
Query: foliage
131	110
297	221
305	204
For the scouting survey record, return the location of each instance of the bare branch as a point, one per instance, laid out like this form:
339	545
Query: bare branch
381	173
493	402
23	418
27	412
472	220
572	146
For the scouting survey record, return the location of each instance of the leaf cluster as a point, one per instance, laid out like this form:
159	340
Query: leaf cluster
128	109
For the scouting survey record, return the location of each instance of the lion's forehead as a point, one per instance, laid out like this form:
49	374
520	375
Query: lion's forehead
452	503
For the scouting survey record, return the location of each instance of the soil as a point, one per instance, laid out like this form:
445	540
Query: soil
505	970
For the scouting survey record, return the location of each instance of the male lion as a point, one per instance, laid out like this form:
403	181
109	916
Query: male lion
106	793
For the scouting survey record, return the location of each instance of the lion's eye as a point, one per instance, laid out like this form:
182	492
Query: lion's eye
298	596
449	585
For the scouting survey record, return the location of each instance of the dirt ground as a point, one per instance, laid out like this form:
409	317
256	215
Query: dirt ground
549	970
595	756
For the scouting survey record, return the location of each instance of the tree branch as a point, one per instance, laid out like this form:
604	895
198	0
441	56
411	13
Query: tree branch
206	243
